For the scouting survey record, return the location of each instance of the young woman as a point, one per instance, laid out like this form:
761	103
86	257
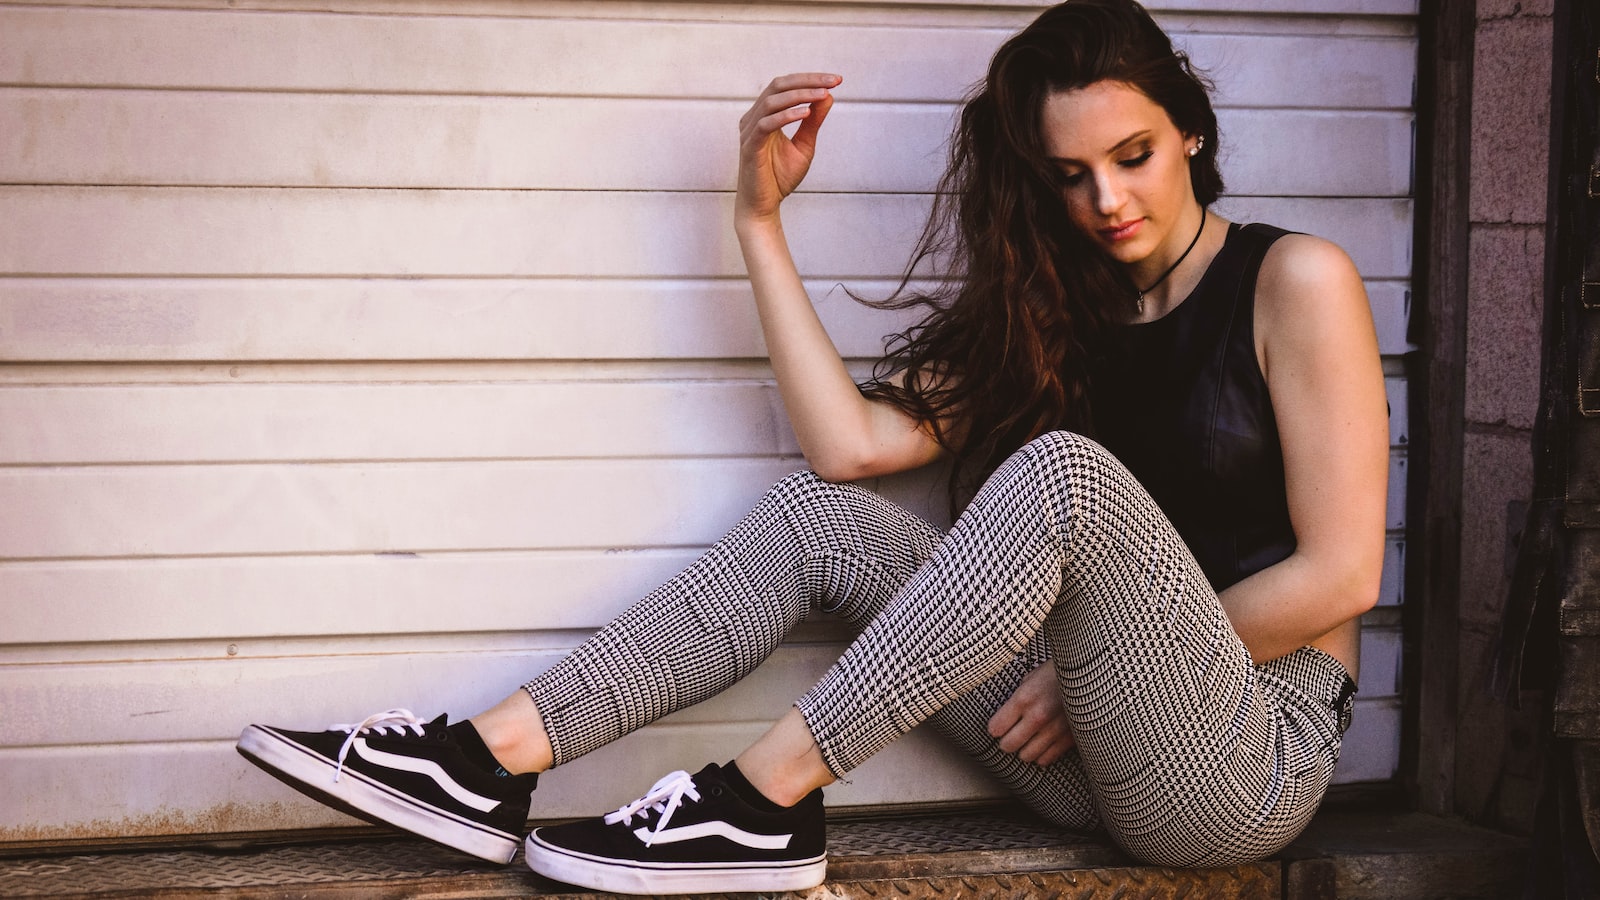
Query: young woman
1151	632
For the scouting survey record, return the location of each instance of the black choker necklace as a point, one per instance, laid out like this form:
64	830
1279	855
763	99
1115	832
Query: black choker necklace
1172	268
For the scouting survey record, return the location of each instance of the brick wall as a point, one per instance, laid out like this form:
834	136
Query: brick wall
1496	763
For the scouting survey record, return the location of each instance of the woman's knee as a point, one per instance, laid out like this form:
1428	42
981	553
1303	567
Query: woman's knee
800	482
1069	446
835	502
834	517
805	489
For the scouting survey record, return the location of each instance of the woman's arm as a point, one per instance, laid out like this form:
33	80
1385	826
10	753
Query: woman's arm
1319	353
843	435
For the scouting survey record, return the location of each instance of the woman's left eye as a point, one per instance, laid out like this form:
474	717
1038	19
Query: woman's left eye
1137	161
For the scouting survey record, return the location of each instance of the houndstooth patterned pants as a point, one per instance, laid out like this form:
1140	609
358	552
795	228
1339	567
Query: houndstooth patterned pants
1187	754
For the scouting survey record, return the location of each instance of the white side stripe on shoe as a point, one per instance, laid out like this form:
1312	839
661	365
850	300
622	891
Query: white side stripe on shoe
425	767
708	829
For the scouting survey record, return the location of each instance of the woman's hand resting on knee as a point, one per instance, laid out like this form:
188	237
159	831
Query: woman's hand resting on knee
1033	723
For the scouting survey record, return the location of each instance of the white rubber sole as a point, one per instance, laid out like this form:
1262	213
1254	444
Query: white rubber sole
311	773
601	874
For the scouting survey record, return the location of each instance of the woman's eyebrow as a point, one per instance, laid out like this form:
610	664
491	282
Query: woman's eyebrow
1115	147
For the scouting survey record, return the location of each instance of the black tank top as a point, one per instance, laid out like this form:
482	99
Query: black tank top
1182	402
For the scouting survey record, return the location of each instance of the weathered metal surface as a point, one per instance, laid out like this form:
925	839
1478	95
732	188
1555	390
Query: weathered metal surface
1582	598
1342	856
1262	880
1408	856
973	855
1577	701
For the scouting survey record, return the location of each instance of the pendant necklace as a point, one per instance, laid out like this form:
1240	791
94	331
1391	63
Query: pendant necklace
1172	268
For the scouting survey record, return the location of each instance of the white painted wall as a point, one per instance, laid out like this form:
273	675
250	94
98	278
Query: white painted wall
373	351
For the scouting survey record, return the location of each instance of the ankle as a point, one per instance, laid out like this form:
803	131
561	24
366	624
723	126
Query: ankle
785	764
514	734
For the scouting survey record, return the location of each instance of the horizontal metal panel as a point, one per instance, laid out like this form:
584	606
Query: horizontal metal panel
1391	313
239	319
206	510
223	605
111	424
1398	393
1396	517
234	423
1380	662
1371	750
379	507
308	232
213	49
235	139
410	319
1392	587
227	603
1376	233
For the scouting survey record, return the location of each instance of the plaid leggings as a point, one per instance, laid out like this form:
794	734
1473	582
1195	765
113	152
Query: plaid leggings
1187	754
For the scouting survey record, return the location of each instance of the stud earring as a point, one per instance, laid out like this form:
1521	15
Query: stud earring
1200	142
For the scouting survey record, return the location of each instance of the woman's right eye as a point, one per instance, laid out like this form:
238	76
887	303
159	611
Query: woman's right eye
1071	179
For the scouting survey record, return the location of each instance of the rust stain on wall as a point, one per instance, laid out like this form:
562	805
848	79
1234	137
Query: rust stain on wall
228	818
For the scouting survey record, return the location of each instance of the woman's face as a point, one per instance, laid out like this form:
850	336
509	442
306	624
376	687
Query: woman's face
1125	167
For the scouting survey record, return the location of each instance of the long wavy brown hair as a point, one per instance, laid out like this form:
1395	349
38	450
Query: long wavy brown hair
1015	328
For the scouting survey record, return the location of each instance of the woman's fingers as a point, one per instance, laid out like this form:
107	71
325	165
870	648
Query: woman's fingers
791	90
788	90
773	111
1006	717
795	80
1048	744
1032	723
805	137
759	130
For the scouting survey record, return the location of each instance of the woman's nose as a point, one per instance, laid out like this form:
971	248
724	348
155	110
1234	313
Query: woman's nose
1108	194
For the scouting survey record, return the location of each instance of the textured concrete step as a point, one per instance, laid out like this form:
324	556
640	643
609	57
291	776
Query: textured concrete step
971	855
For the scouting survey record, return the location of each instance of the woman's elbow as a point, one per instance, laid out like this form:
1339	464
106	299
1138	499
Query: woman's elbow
853	464
835	471
839	465
1359	583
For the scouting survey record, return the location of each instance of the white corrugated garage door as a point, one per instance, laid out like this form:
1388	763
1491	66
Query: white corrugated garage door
371	356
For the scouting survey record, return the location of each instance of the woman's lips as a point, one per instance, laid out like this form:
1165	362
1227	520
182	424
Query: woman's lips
1121	231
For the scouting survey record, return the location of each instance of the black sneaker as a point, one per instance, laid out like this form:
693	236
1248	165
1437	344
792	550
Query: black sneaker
690	834
394	769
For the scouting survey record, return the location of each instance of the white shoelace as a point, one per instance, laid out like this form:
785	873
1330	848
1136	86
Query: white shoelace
401	720
665	798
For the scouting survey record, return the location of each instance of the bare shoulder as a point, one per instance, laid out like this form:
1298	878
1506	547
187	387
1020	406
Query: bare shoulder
1303	268
1309	290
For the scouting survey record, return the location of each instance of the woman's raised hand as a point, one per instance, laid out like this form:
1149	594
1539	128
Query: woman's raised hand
771	164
